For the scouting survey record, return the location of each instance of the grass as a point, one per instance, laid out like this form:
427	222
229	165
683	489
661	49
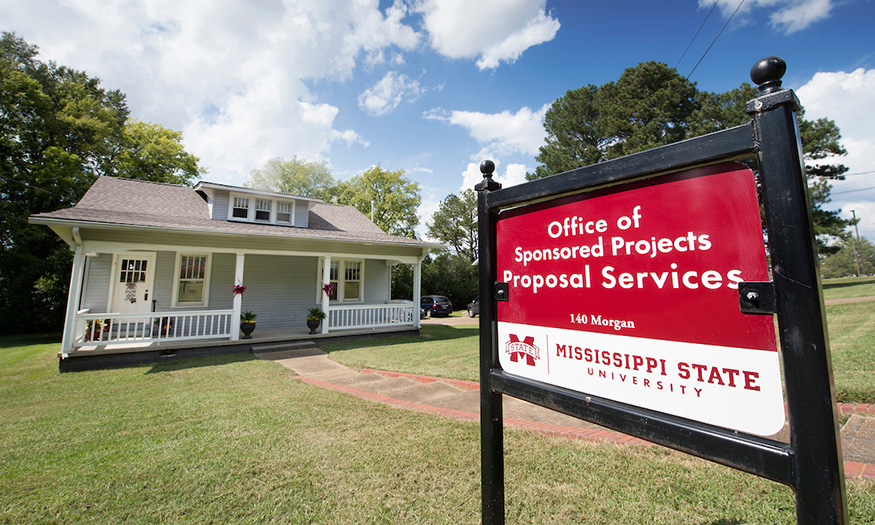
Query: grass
452	352
232	439
847	287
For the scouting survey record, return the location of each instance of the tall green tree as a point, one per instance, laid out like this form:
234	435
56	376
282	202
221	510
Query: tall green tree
455	223
393	198
59	131
152	152
453	276
650	105
294	177
850	259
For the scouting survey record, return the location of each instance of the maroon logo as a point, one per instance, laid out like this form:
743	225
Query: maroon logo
525	348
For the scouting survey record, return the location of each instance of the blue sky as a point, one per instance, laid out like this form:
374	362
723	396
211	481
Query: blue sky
434	87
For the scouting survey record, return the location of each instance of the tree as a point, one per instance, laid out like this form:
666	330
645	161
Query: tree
393	198
651	105
453	276
152	152
648	106
850	259
59	130
294	177
455	223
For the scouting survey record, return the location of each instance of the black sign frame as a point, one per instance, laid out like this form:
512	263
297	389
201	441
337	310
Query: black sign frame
811	464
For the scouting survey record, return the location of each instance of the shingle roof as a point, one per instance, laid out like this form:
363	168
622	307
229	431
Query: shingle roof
129	202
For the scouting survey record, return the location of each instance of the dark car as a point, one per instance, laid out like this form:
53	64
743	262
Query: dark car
474	307
435	305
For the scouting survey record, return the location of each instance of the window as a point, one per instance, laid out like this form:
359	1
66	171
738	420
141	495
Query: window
347	278
240	209
262	210
253	208
283	212
132	271
352	282
192	280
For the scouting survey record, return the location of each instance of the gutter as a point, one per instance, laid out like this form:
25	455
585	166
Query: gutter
49	221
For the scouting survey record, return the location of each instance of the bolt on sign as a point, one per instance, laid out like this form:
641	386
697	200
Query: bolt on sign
633	296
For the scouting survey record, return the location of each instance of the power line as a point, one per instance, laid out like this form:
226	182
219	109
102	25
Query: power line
715	38
31	186
851	191
697	33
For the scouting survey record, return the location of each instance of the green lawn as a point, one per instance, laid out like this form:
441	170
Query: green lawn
452	351
848	287
232	439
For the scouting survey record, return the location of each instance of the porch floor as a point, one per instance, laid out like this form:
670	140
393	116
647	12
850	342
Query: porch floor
93	357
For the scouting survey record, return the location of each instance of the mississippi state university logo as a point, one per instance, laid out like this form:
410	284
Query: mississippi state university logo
519	349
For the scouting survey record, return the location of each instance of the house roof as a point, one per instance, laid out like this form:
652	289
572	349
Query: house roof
136	203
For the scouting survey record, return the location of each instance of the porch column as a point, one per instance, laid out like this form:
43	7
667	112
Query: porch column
238	298
73	298
326	278
417	291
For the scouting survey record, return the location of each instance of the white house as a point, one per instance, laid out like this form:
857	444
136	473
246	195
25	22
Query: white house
157	265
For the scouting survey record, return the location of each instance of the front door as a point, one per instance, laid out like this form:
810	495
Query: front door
133	274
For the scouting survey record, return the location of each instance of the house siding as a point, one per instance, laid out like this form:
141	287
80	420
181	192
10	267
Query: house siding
279	289
376	282
220	204
222	281
96	292
302	214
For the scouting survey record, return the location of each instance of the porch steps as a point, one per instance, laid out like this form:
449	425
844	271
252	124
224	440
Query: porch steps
277	347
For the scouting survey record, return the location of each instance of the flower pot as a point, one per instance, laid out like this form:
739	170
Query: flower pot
247	329
313	324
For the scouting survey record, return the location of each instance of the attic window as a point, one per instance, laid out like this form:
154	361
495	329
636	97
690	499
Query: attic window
283	212
262	210
241	208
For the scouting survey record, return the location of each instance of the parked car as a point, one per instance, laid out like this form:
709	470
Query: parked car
474	307
435	305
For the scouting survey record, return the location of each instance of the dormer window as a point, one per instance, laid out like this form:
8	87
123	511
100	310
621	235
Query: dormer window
262	210
241	208
283	212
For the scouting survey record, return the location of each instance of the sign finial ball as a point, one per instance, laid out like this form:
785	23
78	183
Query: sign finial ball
769	69
487	167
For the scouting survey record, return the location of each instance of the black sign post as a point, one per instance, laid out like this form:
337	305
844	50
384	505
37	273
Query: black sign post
811	464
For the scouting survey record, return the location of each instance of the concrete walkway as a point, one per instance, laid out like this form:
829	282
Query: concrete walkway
461	400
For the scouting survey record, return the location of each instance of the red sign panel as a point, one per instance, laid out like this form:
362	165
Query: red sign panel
632	295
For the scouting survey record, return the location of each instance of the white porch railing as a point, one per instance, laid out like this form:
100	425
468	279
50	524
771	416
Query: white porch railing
115	328
370	316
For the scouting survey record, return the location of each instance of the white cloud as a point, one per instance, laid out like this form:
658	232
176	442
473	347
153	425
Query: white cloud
389	92
231	75
513	175
504	133
787	15
848	99
797	17
495	31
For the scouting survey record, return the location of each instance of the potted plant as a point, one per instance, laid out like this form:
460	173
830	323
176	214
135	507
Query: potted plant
247	324
164	324
315	316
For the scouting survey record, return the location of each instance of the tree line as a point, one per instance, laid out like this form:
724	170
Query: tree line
60	130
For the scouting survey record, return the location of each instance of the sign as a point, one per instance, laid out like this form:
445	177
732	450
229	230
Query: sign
631	294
